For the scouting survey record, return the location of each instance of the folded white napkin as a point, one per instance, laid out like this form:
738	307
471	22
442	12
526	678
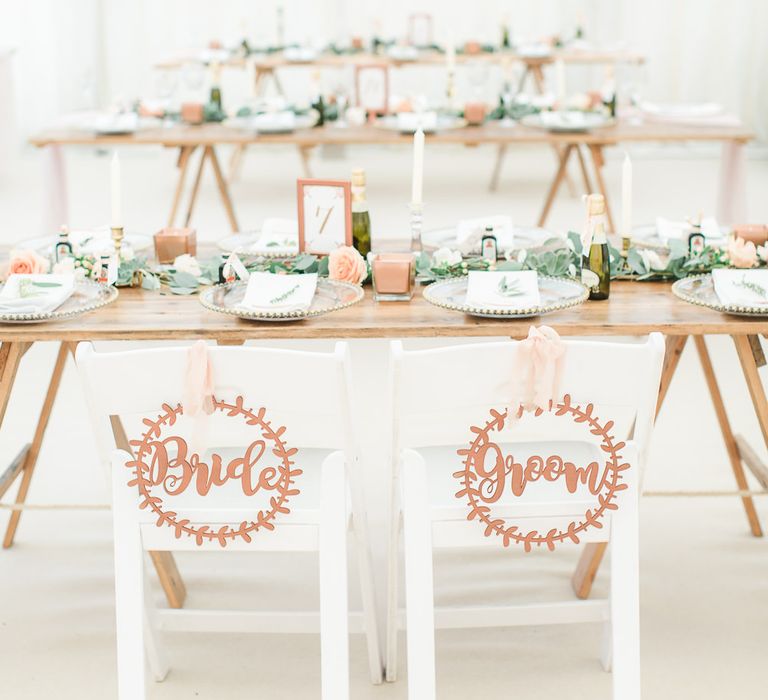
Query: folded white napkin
270	292
410	121
299	54
565	119
274	121
38	296
535	49
122	123
741	287
277	234
403	53
667	229
214	55
486	289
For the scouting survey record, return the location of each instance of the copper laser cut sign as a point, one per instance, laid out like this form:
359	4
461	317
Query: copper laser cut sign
488	474
165	466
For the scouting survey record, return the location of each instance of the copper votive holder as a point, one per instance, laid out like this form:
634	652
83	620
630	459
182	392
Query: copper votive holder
172	242
192	112
394	276
474	113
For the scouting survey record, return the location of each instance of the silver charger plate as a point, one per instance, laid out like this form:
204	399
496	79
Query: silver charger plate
556	293
525	238
90	241
242	241
590	120
330	295
87	296
444	123
700	290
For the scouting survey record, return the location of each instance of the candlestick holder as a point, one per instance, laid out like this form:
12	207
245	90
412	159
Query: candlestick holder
417	216
117	239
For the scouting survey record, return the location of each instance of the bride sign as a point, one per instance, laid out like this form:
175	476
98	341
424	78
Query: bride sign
165	467
492	475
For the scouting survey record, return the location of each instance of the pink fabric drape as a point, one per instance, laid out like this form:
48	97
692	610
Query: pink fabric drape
541	361
198	381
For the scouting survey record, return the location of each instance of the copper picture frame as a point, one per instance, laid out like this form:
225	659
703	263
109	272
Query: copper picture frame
325	218
420	29
365	73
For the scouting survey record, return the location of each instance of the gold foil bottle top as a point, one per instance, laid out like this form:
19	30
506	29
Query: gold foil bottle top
595	205
358	177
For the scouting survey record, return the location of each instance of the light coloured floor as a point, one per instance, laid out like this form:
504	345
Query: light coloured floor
704	603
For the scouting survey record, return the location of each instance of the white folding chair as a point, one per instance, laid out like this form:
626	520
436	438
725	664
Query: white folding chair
436	396
124	387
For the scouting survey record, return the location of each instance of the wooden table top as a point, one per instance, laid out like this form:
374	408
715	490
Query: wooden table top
492	132
425	57
634	308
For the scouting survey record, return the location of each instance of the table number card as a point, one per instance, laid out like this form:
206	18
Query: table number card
372	87
325	215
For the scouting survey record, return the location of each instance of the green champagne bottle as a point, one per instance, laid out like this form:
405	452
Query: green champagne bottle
318	103
361	219
216	86
595	259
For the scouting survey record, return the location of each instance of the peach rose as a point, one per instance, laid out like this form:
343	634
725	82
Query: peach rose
742	253
27	262
345	264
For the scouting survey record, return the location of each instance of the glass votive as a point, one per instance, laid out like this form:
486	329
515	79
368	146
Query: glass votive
394	276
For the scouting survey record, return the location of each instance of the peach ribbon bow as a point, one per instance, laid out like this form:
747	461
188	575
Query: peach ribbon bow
542	361
198	381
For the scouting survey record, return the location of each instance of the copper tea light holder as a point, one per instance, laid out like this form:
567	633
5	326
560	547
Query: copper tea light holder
394	276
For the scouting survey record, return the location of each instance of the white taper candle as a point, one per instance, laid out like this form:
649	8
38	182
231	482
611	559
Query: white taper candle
117	194
418	166
626	197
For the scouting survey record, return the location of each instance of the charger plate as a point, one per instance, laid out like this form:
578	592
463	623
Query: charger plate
87	296
524	238
329	296
700	290
590	120
444	123
242	241
555	292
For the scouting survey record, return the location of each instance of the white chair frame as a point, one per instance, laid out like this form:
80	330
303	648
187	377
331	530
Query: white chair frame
475	372
139	382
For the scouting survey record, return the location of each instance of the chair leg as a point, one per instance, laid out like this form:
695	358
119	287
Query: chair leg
155	656
625	591
129	599
334	609
393	580
419	592
367	585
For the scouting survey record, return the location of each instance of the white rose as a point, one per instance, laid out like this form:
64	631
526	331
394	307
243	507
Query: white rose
589	278
522	255
446	256
762	252
651	260
187	263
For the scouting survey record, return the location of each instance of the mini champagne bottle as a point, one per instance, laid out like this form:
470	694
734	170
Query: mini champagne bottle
595	258
215	97
63	246
361	219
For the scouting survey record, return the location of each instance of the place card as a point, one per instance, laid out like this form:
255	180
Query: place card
276	234
35	293
279	293
499	289
741	287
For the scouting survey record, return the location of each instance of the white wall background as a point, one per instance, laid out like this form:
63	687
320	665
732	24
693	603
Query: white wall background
83	53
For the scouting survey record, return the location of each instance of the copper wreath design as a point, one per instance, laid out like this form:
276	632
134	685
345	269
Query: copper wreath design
278	503
605	500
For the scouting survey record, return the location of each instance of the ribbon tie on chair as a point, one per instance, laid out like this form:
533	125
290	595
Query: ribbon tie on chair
198	381
541	362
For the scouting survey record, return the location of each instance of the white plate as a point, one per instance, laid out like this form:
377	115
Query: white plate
87	296
700	290
91	241
564	125
241	243
646	236
444	123
525	237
